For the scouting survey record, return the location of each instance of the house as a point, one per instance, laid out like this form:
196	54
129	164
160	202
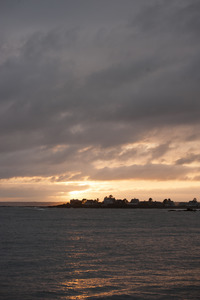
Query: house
134	201
75	203
193	203
109	200
121	203
90	203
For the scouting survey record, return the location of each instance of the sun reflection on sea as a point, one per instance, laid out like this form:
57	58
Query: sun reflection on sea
87	287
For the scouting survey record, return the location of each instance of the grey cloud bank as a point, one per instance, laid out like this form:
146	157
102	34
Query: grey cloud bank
93	76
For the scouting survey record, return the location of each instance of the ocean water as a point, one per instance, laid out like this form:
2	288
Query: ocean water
51	253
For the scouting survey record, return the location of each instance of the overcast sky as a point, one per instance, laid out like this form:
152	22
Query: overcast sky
99	97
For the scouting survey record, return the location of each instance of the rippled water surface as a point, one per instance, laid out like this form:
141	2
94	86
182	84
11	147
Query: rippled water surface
91	254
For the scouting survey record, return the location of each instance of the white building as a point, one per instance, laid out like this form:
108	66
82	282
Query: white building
134	201
109	200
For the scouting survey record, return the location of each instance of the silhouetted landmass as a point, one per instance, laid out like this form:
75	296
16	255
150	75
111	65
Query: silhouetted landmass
111	202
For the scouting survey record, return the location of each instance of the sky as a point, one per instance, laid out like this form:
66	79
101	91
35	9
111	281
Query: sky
99	97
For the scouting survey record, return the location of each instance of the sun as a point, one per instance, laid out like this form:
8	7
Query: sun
76	194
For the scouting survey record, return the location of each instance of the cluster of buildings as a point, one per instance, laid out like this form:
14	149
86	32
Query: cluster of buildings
112	202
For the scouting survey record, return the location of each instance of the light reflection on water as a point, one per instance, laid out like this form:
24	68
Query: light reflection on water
99	254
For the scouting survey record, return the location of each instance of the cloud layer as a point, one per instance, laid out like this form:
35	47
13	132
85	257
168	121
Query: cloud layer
99	91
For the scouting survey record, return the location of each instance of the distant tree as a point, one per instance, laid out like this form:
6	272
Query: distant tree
165	201
168	202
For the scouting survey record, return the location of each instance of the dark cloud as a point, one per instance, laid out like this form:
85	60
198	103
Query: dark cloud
160	150
96	76
190	158
157	16
142	172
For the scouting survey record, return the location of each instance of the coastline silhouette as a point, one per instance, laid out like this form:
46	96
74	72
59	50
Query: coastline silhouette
112	202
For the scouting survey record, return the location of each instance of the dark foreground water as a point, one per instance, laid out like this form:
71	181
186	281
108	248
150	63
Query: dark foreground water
99	254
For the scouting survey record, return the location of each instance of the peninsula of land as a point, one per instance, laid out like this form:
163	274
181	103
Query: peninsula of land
112	202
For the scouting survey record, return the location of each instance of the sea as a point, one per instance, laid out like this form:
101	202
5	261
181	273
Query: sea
104	254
